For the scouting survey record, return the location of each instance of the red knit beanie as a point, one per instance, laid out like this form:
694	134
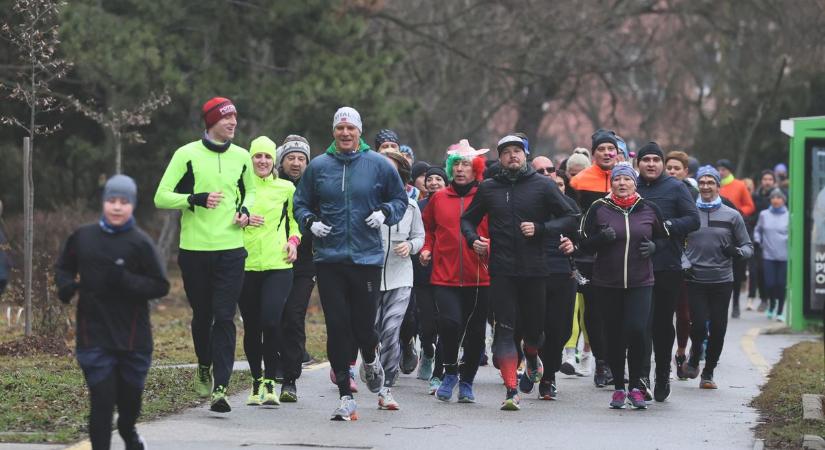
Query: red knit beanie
216	109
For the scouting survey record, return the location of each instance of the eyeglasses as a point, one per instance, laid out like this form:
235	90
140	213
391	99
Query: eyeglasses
546	170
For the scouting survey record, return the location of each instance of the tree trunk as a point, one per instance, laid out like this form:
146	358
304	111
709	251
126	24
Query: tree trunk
118	154
167	235
28	231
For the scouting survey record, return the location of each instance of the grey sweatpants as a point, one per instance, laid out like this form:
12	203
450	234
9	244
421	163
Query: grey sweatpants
391	310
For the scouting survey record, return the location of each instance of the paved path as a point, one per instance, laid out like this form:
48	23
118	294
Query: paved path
691	418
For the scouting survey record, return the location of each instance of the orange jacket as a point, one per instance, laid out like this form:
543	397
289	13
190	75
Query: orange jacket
738	194
590	184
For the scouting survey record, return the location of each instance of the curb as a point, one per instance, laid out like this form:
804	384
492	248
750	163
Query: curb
748	343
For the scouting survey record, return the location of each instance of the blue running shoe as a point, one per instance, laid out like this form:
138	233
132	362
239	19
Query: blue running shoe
445	391
525	383
465	393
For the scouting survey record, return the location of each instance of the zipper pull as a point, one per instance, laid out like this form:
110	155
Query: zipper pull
507	197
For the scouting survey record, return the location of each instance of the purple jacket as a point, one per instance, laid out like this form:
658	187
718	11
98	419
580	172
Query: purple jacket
619	263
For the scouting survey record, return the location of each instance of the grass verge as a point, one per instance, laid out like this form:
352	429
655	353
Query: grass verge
800	371
45	398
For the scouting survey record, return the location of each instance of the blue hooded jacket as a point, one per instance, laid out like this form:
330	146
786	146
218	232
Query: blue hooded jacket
342	190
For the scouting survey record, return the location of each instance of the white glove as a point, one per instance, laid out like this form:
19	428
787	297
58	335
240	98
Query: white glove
376	219
319	229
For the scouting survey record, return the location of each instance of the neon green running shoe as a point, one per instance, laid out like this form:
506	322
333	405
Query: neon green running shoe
268	394
203	381
219	402
511	403
254	398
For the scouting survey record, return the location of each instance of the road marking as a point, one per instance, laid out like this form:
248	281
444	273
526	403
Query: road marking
748	343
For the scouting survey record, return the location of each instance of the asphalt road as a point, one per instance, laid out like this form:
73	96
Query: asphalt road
580	418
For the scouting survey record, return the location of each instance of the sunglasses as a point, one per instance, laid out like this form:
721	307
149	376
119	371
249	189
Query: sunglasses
546	170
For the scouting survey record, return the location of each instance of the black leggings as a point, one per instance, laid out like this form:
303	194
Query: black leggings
516	301
293	342
103	396
660	328
262	306
409	326
629	311
708	302
462	320
349	295
558	321
427	318
594	314
213	281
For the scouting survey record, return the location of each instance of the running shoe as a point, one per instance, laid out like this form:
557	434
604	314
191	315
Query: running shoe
763	305
680	372
689	370
585	367
135	442
203	381
445	391
535	373
465	392
386	400
600	376
637	399
619	399
608	374
568	362
706	382
409	357
661	390
268	394
511	402
425	368
749	304
734	314
771	313
525	383
373	375
289	393
644	386
780	318
435	383
219	402
254	398
346	410
547	390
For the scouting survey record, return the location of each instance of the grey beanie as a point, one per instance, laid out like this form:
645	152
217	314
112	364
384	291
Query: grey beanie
121	186
293	143
625	169
778	193
709	171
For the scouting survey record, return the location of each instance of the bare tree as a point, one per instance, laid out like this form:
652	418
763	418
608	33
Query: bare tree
35	37
121	124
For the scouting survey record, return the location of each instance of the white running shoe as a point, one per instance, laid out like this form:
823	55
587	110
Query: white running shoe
585	367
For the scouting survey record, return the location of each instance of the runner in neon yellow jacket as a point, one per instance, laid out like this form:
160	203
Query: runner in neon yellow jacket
266	244
271	240
200	168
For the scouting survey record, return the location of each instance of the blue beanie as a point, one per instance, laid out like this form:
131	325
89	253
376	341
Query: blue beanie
625	169
709	171
121	186
385	135
407	150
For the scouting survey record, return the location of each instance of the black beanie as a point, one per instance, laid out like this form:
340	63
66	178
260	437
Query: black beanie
419	168
436	170
726	164
651	148
601	136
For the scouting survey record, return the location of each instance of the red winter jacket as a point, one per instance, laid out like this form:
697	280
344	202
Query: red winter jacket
454	262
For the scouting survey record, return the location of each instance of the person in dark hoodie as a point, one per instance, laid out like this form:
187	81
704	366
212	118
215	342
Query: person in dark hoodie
623	231
293	157
115	268
681	217
524	209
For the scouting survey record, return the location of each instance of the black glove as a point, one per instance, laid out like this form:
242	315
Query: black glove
198	199
66	292
647	248
608	234
731	251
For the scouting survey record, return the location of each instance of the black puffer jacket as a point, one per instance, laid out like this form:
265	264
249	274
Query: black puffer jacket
529	198
677	207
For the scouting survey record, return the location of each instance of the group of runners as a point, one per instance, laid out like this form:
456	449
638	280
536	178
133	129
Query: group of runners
598	253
